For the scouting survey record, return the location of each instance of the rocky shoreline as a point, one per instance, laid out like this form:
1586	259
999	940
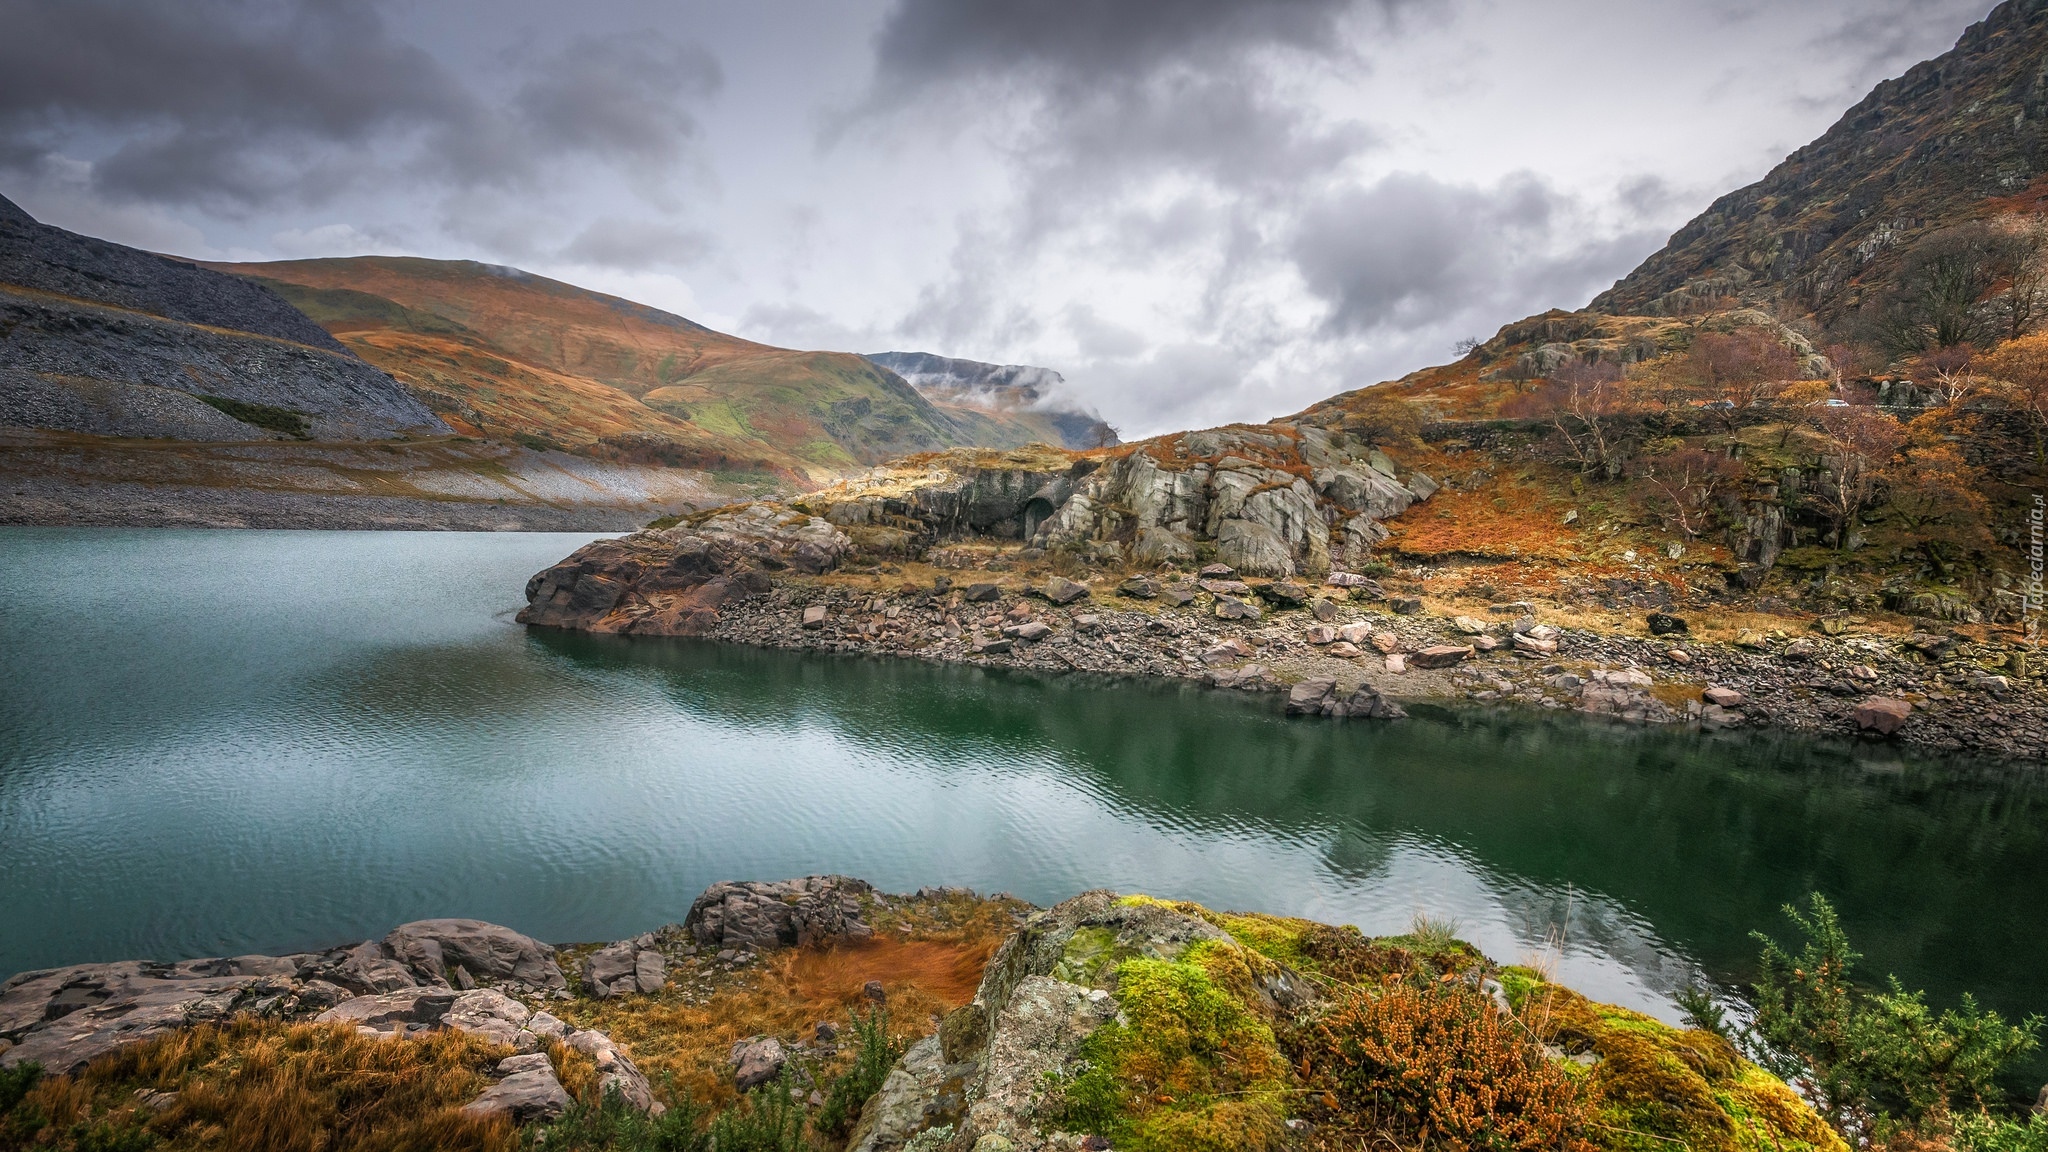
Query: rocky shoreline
1048	1016
1344	646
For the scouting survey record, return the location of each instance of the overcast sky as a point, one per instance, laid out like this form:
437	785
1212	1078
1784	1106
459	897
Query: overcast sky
1198	211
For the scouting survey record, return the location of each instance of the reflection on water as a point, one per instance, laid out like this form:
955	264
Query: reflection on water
223	742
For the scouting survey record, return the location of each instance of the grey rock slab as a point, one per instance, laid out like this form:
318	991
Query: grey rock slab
488	951
488	1013
526	1097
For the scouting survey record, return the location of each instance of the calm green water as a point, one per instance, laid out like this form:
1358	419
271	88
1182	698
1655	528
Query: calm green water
222	742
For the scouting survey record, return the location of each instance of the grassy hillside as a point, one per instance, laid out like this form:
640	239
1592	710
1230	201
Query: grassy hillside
503	353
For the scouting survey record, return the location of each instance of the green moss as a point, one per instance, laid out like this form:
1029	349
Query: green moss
1190	1064
1653	1085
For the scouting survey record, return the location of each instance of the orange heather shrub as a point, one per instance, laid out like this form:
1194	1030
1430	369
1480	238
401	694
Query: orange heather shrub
1439	1065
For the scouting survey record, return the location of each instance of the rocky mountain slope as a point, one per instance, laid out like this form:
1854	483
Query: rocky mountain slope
96	337
1021	390
1959	137
505	353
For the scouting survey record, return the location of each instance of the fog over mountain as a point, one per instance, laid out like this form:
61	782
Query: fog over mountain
1193	211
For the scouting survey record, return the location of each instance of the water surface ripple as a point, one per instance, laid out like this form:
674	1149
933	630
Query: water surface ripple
223	742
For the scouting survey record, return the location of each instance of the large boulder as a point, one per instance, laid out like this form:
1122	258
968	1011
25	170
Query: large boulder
487	952
627	966
759	915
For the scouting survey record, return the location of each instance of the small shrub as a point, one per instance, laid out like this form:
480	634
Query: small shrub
1696	1003
1440	1065
613	1125
15	1083
874	1054
537	442
289	421
1981	1132
768	1121
1873	1059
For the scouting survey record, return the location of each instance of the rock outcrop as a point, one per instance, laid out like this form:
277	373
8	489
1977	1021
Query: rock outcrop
672	582
62	1018
994	1072
761	915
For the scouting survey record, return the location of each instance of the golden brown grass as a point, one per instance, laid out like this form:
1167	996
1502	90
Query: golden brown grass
264	1086
928	957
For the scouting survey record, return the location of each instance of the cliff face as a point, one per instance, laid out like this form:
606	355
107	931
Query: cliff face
1957	137
99	337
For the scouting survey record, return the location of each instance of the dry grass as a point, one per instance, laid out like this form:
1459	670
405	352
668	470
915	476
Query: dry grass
928	957
264	1086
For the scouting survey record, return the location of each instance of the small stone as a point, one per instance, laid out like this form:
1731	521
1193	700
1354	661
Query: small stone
1061	590
826	1032
529	1062
1665	624
1724	697
874	991
1441	656
1284	594
1030	631
1217	572
1405	605
1320	634
1354	633
1386	643
1231	608
814	617
755	1061
1345	649
981	593
1468	625
1139	588
1396	662
1177	595
1881	714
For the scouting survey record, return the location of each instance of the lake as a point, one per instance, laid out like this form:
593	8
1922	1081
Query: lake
225	742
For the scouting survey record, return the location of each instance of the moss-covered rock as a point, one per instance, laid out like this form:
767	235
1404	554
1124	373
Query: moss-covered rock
1162	1026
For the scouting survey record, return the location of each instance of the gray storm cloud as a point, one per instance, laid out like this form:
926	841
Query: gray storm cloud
1196	210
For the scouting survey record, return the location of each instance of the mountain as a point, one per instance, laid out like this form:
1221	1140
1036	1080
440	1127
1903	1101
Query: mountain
1021	390
97	337
1957	138
1827	394
501	352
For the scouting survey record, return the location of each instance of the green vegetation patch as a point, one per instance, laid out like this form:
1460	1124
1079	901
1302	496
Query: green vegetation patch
289	421
1189	1065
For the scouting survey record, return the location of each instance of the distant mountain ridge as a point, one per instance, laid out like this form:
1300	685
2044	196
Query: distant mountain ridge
1002	387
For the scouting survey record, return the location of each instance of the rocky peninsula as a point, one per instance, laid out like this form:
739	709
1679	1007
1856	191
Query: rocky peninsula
1245	558
984	1025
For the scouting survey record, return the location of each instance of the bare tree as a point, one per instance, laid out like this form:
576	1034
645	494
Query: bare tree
1682	485
1580	401
1861	444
